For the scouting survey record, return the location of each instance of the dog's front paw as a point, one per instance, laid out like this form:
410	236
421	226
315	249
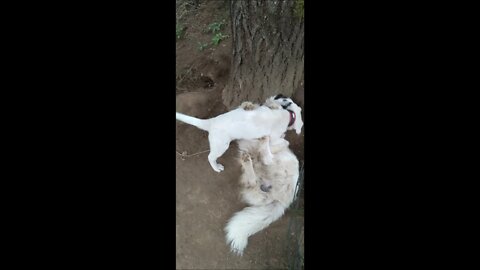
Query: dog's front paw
220	167
245	157
217	167
248	106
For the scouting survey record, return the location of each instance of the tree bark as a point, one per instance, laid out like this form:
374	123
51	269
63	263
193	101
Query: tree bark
267	46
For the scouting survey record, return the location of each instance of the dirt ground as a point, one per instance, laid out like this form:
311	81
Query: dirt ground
205	199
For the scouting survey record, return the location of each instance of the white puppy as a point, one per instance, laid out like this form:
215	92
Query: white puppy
268	120
268	189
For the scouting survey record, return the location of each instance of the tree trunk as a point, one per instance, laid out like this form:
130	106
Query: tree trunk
267	50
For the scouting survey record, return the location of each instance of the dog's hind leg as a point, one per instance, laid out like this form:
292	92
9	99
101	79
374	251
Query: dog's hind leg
218	146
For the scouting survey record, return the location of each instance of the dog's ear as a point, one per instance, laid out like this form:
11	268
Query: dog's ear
279	96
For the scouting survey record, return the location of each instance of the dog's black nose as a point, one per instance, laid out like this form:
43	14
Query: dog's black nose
265	188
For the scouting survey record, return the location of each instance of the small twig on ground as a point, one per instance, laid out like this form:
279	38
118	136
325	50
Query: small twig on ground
184	154
182	89
182	76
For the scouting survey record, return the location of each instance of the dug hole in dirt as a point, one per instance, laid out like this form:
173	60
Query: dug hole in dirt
205	199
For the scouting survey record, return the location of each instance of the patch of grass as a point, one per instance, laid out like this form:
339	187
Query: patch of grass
215	27
180	32
202	46
217	38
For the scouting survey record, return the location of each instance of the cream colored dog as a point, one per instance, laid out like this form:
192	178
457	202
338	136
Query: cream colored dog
268	120
268	189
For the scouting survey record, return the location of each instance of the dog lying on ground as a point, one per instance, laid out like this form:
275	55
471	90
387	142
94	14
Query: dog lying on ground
268	189
248	122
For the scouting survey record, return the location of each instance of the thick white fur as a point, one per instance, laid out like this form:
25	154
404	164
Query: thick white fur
246	124
265	207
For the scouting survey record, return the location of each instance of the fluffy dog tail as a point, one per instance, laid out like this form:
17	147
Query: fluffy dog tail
249	221
199	123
